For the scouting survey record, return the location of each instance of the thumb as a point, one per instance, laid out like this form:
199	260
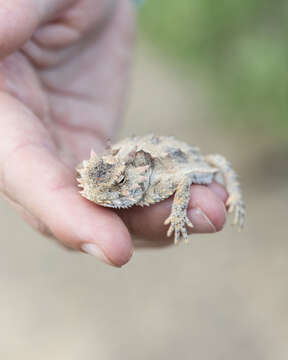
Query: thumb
20	18
35	178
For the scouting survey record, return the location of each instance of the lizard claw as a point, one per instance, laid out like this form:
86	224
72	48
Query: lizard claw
178	226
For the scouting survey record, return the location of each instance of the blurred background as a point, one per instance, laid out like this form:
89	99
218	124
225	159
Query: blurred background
214	75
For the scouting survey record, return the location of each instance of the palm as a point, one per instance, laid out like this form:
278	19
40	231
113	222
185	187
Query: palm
78	103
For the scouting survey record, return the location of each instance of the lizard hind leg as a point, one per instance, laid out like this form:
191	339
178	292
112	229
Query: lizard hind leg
235	201
178	218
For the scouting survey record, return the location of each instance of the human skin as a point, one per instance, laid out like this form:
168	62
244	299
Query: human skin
63	77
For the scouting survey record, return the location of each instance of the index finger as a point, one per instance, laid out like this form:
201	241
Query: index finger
206	211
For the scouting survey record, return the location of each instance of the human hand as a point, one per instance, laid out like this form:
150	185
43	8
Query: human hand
63	77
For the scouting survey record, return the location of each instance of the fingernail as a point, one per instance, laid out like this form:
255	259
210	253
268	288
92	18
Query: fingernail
94	250
200	221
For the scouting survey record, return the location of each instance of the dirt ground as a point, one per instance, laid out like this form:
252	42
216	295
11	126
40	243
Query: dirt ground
222	297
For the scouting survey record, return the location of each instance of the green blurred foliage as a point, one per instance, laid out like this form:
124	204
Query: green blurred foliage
240	46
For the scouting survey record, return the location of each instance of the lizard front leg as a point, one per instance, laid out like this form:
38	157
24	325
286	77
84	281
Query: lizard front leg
235	201
178	218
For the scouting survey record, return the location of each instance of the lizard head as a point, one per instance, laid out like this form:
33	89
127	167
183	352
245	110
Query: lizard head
113	181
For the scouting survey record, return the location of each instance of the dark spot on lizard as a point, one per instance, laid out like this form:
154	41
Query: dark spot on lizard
155	140
100	171
177	154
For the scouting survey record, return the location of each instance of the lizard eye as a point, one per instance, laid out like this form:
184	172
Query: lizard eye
121	180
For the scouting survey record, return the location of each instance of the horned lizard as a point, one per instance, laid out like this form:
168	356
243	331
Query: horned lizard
144	170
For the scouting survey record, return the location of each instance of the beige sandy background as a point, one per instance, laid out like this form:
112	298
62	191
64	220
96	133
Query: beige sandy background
222	297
